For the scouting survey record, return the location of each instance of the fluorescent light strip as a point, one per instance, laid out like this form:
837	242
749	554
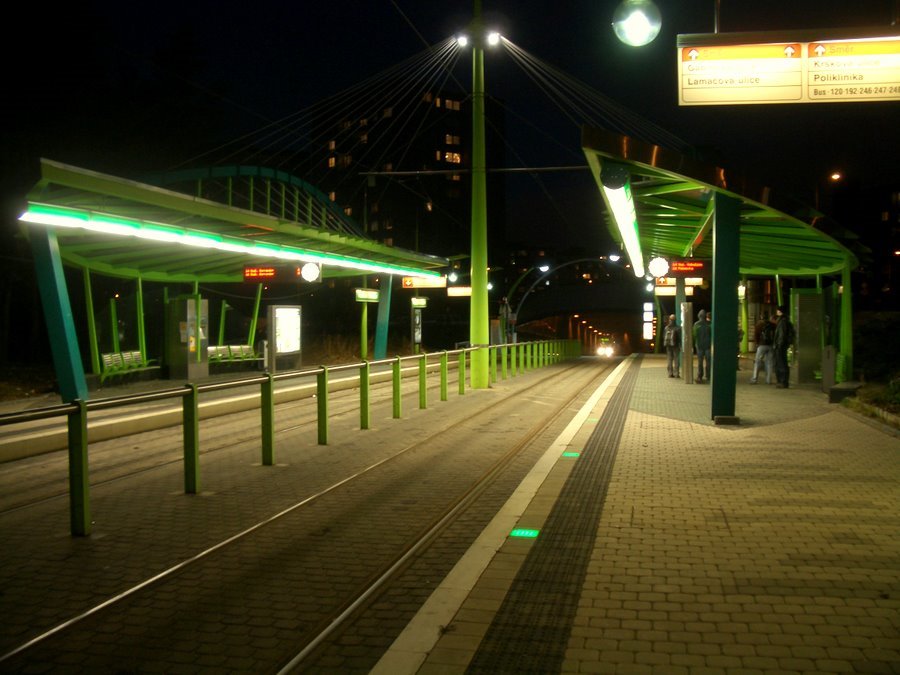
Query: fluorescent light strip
621	205
57	217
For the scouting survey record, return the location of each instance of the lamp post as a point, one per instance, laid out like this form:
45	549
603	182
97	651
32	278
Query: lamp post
505	314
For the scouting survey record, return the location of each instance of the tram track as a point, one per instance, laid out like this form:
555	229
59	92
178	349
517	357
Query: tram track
401	482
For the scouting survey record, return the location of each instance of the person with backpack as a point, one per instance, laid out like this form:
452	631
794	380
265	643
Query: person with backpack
783	340
764	338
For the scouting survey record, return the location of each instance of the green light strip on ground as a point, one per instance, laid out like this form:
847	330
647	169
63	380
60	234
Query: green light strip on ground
524	533
571	453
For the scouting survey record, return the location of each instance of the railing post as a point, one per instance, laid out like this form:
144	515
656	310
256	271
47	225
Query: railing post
267	421
322	405
79	484
395	367
191	429
462	372
423	382
365	408
522	358
444	377
504	373
492	356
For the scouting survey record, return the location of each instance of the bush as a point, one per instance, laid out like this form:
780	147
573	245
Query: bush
884	396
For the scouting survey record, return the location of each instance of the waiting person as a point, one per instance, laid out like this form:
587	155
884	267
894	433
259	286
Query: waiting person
702	332
764	336
672	343
783	340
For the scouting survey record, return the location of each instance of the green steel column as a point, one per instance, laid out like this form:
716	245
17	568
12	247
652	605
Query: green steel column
423	382
58	315
91	323
322	406
745	318
384	314
364	332
252	332
114	325
726	250
365	407
444	375
79	483
267	412
191	433
221	339
778	295
479	324
660	322
395	388
846	323
142	334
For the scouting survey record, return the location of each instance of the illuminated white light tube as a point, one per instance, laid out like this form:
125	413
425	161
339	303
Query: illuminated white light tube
622	207
58	217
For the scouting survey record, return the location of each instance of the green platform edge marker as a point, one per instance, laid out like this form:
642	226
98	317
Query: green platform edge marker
524	533
571	453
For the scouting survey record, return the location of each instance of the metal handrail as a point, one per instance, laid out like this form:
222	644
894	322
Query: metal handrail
528	354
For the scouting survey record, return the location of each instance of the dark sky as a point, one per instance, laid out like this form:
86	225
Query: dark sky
79	65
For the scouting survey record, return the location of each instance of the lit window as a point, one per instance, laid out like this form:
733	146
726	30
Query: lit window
364	122
332	196
455	177
453	157
437	155
331	145
437	102
427	97
450	139
331	162
364	138
389	167
346	160
429	206
388	241
388	112
448	103
348	210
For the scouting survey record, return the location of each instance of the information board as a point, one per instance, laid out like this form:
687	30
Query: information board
752	68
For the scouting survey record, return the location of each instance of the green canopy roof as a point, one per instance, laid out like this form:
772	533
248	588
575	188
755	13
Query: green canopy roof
124	228
674	207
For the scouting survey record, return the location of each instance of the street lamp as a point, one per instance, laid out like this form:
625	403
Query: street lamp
636	22
505	309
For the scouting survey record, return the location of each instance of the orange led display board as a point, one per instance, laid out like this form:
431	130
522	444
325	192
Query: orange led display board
689	267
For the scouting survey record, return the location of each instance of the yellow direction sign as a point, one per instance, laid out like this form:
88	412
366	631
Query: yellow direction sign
747	68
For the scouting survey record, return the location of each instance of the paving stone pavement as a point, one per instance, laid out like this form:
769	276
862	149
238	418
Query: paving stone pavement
769	546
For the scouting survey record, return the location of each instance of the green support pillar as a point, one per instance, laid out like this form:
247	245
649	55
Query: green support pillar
91	323
660	322
141	331
252	331
114	325
726	255
745	318
846	324
364	332
58	315
384	314
479	324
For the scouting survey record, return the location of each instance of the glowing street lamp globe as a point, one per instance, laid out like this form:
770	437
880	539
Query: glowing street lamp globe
636	22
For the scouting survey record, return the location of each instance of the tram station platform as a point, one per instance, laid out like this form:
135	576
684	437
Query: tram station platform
647	539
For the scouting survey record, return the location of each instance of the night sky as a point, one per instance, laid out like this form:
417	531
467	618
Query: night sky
131	87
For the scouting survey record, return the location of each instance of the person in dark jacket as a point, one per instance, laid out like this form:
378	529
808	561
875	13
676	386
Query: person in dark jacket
784	339
764	336
702	332
672	343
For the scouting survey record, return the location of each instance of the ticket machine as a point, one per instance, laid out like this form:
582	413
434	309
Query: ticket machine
187	338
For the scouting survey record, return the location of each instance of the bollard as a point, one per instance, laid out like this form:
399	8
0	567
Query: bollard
423	382
395	367
462	373
322	405
79	483
444	376
191	429
365	407
267	413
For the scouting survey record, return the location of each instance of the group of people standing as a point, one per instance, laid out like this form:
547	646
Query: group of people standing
773	339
